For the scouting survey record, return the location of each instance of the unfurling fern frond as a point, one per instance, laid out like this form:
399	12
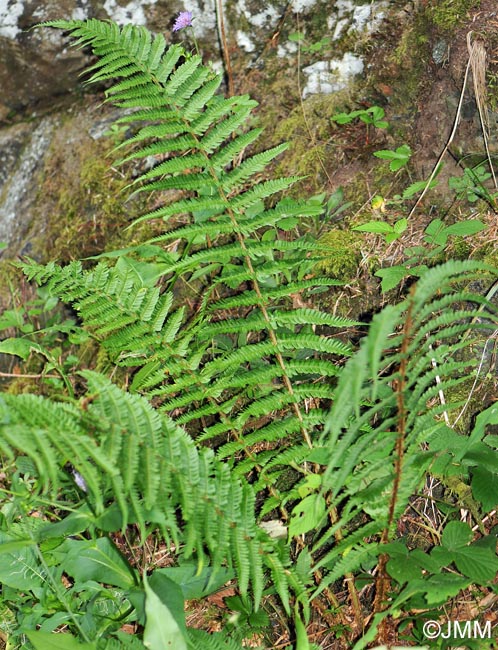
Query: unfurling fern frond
241	352
390	417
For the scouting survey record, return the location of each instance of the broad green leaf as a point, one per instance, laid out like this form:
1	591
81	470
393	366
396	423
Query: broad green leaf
98	560
436	233
310	485
465	228
74	523
287	223
392	236
436	589
456	535
478	564
307	515
400	225
398	158
320	455
12	547
20	568
443	586
51	641
192	583
380	227
485	488
392	276
20	347
346	118
492	440
161	632
402	570
425	561
335	200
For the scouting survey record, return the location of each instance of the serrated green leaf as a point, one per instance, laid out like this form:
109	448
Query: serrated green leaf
307	514
392	276
20	347
465	228
478	564
485	488
400	225
192	582
439	588
380	227
456	535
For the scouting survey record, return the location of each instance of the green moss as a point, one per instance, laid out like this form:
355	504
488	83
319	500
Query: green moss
448	14
488	254
410	60
81	196
459	249
343	255
315	143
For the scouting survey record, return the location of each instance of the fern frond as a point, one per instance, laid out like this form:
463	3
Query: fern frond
383	409
126	451
218	362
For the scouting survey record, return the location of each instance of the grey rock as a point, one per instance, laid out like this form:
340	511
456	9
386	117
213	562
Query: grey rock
22	151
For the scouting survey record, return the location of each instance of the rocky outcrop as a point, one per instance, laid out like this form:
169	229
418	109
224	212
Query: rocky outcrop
327	39
22	151
36	65
39	72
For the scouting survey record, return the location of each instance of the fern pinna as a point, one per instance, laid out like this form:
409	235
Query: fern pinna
241	352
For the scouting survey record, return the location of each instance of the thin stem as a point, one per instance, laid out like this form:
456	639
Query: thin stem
436	168
383	580
224	46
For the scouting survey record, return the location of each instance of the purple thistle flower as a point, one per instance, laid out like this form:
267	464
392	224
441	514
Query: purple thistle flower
184	19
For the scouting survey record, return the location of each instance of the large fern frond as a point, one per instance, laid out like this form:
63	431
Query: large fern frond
241	352
130	457
389	414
